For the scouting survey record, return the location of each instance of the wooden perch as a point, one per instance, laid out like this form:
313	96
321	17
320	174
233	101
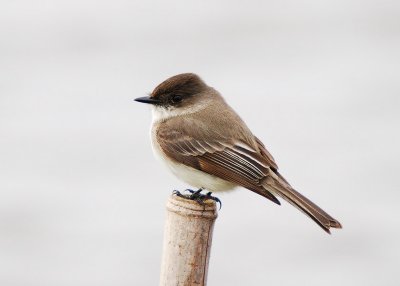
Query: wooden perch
187	242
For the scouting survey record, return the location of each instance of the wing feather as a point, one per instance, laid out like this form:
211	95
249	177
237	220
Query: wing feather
233	161
234	155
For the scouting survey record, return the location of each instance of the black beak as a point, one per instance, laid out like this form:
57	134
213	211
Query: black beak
147	99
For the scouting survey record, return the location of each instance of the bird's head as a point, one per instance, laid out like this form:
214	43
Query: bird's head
179	91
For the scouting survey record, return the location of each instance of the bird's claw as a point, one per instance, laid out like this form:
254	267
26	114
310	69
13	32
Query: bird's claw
208	196
198	196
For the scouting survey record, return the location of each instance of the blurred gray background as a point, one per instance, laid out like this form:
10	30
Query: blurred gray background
82	200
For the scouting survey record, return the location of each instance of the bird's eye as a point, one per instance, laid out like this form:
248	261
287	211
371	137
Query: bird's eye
176	98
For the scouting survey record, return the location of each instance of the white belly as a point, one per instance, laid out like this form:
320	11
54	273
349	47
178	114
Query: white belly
189	175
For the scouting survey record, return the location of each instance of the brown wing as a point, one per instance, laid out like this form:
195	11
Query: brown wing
228	158
266	155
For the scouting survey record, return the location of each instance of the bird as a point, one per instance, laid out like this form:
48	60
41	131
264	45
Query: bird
205	143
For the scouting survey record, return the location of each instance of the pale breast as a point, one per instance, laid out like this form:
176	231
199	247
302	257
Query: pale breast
189	175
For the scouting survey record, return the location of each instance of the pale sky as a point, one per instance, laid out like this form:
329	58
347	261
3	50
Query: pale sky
82	199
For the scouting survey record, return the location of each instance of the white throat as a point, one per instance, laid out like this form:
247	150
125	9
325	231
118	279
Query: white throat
162	113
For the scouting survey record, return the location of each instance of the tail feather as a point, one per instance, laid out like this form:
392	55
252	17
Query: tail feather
279	186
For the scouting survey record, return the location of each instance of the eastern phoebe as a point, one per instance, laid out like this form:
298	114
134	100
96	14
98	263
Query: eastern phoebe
207	145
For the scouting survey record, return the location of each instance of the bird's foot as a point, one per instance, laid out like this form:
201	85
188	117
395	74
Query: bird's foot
198	196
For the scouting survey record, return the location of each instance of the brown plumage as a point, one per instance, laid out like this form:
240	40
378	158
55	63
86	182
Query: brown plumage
198	130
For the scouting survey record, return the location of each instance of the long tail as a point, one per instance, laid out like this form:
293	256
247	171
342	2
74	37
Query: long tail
279	186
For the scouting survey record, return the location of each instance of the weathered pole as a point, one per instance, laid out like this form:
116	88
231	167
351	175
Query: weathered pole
187	242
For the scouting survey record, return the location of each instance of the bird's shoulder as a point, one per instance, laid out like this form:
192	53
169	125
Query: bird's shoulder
196	134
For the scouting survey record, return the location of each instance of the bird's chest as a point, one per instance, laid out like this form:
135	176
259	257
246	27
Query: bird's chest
193	177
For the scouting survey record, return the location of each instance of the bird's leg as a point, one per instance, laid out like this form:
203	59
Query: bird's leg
194	192
198	196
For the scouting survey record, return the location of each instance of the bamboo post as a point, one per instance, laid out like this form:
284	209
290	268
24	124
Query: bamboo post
187	242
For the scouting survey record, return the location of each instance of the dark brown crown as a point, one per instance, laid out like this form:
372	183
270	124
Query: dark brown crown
183	84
